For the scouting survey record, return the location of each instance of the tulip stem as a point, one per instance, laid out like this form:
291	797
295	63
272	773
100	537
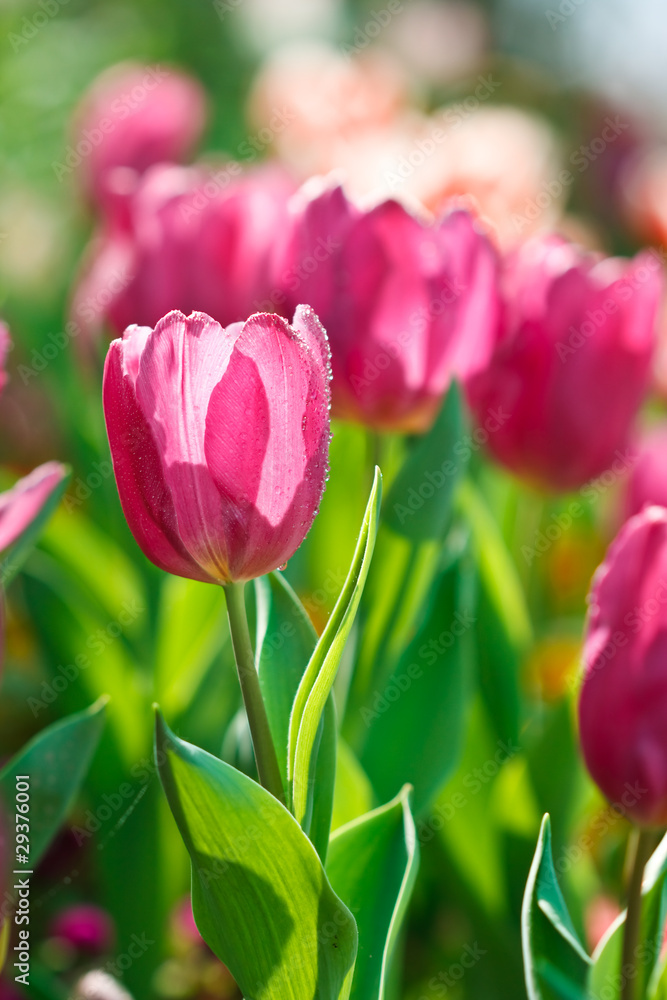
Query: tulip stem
262	742
640	850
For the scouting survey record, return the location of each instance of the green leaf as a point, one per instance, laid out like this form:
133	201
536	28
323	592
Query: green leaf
260	896
414	719
286	640
16	554
56	761
192	631
353	792
555	961
498	572
372	866
320	674
608	954
420	499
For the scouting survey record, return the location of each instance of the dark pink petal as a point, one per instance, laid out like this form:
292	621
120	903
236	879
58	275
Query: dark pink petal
184	360
20	505
267	435
623	699
146	500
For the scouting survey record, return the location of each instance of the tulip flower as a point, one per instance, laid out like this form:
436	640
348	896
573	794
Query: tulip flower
571	363
219	439
647	482
20	505
134	116
623	698
406	306
84	927
188	239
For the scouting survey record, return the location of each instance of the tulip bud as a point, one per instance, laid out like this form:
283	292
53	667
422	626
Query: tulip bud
572	360
623	698
406	306
20	505
188	239
134	116
647	482
219	439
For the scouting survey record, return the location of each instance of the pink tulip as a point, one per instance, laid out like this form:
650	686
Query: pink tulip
647	482
84	927
134	116
188	239
20	505
571	363
406	306
623	698
5	345
219	439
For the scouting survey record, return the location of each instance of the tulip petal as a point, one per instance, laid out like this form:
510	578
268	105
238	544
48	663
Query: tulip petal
146	501
266	442
20	505
184	359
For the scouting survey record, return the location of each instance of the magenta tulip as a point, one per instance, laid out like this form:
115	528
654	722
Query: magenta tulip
187	239
84	927
572	361
647	482
623	699
134	116
219	439
406	306
20	505
5	345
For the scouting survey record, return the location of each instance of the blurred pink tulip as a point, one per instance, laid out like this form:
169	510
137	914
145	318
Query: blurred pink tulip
5	345
572	360
647	483
188	239
623	698
84	927
134	116
20	505
219	439
407	307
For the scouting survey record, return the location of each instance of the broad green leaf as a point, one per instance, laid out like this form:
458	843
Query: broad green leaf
353	792
555	962
260	896
56	762
320	674
500	579
608	954
192	631
420	499
16	554
286	640
372	866
414	719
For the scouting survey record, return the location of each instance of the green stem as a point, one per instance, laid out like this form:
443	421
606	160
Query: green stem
641	851
265	752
